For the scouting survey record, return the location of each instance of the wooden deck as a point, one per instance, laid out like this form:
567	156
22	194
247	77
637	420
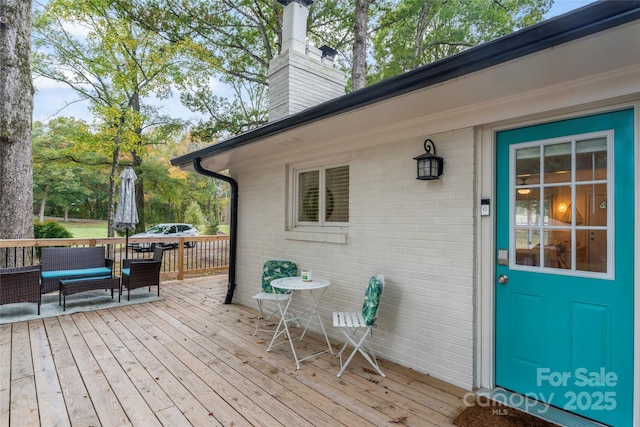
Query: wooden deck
190	360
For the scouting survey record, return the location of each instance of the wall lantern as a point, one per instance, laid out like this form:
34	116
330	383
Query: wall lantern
430	166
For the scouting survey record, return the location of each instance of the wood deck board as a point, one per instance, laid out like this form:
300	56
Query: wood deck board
334	400
132	402
381	413
24	403
192	409
190	360
291	393
46	379
153	395
364	391
386	408
212	382
78	405
21	362
205	394
104	399
223	365
5	373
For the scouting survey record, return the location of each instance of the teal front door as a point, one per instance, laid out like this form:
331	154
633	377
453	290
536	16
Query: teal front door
565	264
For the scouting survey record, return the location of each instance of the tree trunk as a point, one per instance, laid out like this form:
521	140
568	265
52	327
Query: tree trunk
360	28
16	111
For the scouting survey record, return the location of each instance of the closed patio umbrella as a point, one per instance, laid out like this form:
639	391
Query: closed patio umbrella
126	213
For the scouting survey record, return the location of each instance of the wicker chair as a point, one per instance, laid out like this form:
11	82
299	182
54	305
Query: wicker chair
137	273
20	284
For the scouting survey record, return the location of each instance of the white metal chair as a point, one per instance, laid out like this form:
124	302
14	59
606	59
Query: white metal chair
354	323
271	270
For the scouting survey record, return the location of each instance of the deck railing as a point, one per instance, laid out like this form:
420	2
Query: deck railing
208	254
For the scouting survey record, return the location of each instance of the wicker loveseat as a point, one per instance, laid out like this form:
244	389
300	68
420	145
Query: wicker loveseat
72	263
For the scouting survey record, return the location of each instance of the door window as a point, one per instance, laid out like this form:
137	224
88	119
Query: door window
560	209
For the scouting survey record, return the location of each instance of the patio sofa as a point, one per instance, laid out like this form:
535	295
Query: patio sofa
82	264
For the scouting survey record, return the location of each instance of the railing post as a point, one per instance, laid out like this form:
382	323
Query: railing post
181	259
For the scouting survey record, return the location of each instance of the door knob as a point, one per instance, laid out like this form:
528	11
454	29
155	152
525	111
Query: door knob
503	279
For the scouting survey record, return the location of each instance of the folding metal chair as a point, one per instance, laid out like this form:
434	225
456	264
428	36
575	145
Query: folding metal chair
354	323
271	270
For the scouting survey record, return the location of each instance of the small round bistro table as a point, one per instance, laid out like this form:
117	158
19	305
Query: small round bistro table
295	285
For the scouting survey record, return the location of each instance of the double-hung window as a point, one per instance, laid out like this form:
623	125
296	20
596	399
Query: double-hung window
321	196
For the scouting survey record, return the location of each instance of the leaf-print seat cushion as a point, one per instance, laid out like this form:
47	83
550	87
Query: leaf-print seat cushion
371	301
277	269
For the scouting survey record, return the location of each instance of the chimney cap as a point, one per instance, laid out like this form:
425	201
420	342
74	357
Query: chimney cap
328	52
305	3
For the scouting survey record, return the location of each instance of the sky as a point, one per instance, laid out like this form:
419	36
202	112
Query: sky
54	99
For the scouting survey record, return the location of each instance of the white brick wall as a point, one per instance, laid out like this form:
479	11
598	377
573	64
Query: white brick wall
419	234
298	82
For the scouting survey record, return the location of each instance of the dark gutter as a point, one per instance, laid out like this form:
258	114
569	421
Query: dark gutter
233	226
590	19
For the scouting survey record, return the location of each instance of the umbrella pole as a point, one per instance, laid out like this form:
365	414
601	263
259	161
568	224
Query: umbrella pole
126	245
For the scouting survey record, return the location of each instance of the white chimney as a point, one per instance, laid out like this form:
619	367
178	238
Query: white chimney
294	25
301	76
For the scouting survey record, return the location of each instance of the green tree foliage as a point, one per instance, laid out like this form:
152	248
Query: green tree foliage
68	178
194	215
118	53
50	230
114	63
233	41
418	32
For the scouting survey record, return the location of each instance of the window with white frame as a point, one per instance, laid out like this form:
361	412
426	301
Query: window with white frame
562	210
321	196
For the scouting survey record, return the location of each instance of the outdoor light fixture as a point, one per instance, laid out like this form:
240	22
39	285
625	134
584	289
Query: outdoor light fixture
430	166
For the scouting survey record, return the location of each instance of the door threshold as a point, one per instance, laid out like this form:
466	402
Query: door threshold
537	408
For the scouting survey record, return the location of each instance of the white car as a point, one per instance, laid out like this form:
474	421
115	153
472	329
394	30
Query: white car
165	230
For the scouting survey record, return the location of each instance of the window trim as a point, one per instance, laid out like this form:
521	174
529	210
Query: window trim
609	136
293	183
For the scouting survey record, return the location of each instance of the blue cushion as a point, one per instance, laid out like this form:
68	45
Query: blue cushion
80	279
56	274
126	271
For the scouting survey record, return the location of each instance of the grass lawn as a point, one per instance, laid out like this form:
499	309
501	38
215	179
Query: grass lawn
86	230
96	229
